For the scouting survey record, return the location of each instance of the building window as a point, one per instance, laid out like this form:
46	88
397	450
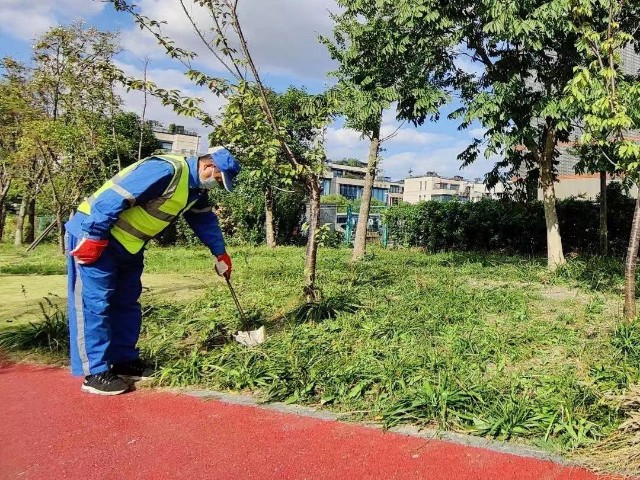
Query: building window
379	194
351	192
168	146
326	186
441	198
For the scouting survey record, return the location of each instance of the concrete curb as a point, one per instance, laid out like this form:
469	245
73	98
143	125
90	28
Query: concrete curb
408	430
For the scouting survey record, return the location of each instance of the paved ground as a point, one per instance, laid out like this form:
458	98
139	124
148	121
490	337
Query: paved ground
49	429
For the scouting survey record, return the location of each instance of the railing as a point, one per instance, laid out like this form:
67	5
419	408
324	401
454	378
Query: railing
176	132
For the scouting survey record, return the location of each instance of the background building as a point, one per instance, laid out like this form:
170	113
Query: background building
587	186
432	186
348	181
176	139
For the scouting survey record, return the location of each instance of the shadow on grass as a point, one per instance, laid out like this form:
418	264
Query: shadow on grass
487	259
599	274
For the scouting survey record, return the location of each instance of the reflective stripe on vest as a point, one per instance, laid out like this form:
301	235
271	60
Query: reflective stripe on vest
138	224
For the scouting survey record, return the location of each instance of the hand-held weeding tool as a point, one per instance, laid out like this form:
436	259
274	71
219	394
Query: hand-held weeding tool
246	337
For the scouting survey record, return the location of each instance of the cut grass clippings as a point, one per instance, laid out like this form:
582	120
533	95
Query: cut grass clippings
485	344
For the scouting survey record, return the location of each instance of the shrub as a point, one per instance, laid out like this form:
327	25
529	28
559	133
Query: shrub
507	226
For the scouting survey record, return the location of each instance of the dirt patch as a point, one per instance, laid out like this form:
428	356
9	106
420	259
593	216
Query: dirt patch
20	294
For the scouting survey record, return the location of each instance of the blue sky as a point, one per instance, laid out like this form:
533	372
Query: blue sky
282	35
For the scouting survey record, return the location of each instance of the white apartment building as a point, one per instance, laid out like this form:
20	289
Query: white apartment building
587	186
432	186
177	140
348	181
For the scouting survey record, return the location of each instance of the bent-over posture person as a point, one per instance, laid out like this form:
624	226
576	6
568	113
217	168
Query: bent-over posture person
105	244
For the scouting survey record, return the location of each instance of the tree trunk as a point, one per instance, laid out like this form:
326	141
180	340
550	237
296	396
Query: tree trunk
3	217
360	243
309	289
3	210
604	233
30	232
555	256
60	224
18	240
144	107
269	220
630	265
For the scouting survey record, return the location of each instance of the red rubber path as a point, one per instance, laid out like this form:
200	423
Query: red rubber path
49	429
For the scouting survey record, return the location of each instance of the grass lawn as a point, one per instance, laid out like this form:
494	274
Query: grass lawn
487	344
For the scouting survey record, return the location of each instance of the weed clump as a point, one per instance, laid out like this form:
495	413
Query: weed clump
325	308
51	334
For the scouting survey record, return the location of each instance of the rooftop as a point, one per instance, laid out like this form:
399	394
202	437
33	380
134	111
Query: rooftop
175	130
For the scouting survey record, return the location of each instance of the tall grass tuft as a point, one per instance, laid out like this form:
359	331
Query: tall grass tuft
325	308
51	334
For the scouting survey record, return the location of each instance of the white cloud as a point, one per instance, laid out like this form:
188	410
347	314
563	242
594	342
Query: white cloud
345	143
410	136
26	19
169	79
477	132
441	160
468	65
282	34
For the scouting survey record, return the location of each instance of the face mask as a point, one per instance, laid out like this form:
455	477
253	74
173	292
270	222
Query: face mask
208	184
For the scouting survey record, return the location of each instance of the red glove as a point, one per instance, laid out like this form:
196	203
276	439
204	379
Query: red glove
88	250
223	265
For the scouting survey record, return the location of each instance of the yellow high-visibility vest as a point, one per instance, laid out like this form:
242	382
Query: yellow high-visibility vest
140	223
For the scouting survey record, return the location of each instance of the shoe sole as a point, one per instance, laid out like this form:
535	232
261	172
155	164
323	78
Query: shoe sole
133	378
95	391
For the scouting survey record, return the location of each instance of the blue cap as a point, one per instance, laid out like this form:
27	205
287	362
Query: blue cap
227	164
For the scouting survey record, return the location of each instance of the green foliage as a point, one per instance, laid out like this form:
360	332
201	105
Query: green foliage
125	145
491	225
601	94
326	237
459	341
41	261
241	214
245	129
343	202
626	339
389	51
524	55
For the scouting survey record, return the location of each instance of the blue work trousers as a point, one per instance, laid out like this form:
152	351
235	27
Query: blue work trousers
104	309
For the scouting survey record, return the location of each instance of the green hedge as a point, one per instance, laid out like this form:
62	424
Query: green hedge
503	225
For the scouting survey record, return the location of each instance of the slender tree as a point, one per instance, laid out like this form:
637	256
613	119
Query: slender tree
384	58
606	99
525	54
145	63
225	41
244	129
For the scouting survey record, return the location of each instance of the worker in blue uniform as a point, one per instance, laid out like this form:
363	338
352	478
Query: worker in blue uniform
105	244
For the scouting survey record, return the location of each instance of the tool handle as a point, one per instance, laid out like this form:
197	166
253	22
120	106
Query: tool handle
237	302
